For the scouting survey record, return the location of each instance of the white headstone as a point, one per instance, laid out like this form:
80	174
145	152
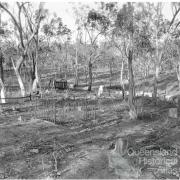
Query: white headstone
20	118
71	86
47	91
85	88
149	94
100	91
168	97
118	92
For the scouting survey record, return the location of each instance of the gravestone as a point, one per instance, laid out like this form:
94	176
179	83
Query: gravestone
100	91
173	113
148	94
71	86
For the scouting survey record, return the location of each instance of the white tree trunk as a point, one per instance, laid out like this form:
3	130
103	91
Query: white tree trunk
34	85
122	71
178	73
3	100
36	80
21	85
157	71
76	67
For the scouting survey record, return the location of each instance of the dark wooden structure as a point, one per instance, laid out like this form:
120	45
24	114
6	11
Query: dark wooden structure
60	84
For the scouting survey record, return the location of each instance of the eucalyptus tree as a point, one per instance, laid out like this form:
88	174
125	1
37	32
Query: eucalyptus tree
175	38
125	27
93	26
1	66
162	30
26	29
99	23
4	33
130	28
33	19
58	35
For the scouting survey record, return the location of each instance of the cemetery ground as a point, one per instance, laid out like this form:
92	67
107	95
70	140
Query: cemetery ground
54	138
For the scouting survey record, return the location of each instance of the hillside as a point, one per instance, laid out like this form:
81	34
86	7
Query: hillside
35	145
166	84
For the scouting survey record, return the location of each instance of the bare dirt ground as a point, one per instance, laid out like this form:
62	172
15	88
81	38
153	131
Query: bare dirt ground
36	148
32	146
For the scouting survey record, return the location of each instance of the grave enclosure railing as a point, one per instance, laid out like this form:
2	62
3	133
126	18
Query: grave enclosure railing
58	110
66	111
53	109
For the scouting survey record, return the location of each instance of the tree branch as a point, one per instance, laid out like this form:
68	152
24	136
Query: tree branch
15	22
28	19
18	64
89	35
20	24
174	16
96	57
96	37
177	25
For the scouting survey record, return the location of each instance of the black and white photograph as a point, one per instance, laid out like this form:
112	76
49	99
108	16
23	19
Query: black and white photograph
89	90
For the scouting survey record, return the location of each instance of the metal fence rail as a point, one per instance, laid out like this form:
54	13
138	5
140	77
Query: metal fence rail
57	110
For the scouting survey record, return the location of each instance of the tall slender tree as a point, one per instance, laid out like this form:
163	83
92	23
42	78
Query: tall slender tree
23	37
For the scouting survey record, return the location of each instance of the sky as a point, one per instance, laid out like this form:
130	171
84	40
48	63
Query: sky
64	10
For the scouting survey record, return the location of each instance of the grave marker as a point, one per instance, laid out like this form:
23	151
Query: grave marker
100	91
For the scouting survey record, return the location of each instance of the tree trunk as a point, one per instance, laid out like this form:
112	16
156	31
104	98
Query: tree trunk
1	68
21	85
76	77
157	71
178	74
35	82
132	113
147	71
3	100
155	88
90	76
157	65
76	69
86	74
110	71
155	80
121	79
35	77
178	77
122	71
